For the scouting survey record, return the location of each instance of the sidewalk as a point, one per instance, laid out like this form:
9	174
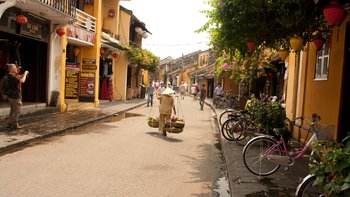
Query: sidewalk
40	127
243	183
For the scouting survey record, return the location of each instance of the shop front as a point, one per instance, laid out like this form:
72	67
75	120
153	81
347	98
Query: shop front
26	45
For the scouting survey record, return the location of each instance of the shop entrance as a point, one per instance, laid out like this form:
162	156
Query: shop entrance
344	125
30	55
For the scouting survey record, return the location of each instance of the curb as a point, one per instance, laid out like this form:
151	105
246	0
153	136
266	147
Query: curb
4	150
222	149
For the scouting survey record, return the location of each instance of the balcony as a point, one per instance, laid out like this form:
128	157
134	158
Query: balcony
83	30
57	11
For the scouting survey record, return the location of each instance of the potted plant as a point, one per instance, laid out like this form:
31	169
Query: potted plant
267	115
330	162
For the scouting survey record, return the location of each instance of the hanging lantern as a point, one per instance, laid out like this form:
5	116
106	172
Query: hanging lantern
76	51
115	55
283	54
319	42
60	31
102	51
21	19
250	45
296	42
334	13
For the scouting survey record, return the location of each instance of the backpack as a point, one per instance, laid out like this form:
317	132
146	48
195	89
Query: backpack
4	86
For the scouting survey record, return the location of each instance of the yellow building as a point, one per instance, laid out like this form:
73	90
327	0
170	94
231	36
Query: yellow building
318	82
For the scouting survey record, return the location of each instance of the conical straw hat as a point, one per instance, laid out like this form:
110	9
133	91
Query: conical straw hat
168	91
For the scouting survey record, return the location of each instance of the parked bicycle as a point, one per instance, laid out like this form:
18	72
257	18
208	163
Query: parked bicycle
239	127
263	155
228	100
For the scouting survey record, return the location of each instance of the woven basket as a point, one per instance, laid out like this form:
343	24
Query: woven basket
153	124
179	125
173	130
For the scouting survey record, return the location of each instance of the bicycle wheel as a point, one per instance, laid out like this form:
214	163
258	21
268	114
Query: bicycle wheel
253	159
226	130
247	128
306	188
225	115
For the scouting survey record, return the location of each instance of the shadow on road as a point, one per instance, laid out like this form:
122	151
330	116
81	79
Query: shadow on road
168	138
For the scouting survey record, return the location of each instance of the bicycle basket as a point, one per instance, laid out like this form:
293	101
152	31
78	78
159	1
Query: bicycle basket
325	132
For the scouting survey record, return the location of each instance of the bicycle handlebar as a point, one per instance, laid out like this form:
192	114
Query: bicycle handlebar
315	119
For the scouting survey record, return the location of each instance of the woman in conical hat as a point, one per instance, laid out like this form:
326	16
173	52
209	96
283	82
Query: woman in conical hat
165	108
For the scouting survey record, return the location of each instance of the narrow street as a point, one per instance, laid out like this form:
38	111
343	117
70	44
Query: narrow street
122	156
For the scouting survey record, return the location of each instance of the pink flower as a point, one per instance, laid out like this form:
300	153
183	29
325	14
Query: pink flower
221	4
225	66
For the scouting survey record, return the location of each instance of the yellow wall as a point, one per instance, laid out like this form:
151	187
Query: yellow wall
85	52
228	85
319	96
121	64
110	23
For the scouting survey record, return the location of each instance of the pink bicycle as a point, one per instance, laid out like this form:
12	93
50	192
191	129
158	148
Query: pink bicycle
263	155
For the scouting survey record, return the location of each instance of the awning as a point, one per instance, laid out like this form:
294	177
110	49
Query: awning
205	72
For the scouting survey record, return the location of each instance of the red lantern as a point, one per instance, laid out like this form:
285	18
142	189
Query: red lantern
60	32
115	55
334	13
319	42
21	19
250	45
102	51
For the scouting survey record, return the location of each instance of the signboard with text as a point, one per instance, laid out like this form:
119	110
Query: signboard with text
87	87
72	79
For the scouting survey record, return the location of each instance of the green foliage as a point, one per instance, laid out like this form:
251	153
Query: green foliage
267	115
144	58
330	162
242	67
265	22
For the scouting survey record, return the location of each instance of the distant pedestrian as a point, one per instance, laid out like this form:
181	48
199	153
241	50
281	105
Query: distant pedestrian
161	88
15	95
150	92
202	96
218	90
182	90
165	108
194	92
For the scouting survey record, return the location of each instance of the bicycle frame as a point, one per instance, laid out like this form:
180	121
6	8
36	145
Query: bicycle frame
287	158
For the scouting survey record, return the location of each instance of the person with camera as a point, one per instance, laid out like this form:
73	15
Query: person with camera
14	95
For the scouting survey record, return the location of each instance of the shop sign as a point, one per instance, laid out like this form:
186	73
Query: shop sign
89	61
72	78
32	28
89	67
87	87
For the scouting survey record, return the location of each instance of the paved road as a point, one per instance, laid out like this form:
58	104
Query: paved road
121	157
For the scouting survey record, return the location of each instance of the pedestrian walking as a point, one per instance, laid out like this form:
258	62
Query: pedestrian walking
202	96
165	108
182	90
194	92
14	95
150	92
161	88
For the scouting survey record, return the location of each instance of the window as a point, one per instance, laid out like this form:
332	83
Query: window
322	62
